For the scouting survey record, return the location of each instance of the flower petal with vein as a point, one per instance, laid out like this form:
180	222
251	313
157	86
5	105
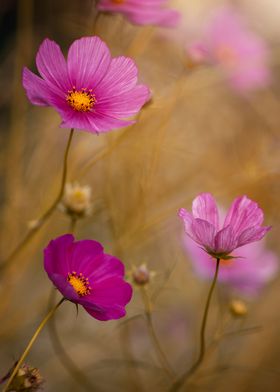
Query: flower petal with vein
143	12
242	225
90	90
87	276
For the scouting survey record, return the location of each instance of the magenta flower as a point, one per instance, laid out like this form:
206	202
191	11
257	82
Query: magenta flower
240	54
91	90
143	12
88	277
241	226
248	274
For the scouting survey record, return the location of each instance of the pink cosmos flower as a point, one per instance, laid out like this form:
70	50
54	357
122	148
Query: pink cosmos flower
88	277
91	90
240	54
143	12
241	226
248	274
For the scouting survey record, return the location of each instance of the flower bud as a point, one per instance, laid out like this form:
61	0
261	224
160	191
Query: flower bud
238	308
141	275
77	200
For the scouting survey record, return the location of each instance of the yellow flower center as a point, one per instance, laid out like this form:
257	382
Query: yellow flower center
81	100
79	283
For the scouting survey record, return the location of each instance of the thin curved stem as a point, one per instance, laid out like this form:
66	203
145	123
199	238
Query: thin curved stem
30	344
158	349
40	222
67	362
181	381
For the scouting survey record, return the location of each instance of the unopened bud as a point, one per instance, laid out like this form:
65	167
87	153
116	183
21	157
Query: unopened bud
77	200
238	308
141	275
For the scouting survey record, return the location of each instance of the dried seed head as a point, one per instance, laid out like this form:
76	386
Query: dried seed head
27	379
77	200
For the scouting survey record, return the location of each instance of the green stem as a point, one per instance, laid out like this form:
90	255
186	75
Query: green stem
30	344
181	381
30	234
158	349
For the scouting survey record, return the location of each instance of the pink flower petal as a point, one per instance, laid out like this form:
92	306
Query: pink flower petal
143	12
188	221
124	105
225	241
243	213
252	234
205	208
120	77
92	122
52	65
55	252
88	61
204	233
36	88
105	314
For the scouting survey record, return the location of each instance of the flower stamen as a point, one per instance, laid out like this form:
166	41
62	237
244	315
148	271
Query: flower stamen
79	283
81	100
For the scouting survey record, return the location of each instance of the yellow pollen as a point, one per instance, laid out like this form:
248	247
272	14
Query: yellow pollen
79	283
81	100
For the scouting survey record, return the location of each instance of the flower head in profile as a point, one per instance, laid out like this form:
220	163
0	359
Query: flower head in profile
87	276
143	12
240	54
91	90
248	274
241	226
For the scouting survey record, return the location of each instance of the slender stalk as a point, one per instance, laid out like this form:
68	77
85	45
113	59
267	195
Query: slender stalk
65	359
158	349
73	224
181	381
40	222
30	344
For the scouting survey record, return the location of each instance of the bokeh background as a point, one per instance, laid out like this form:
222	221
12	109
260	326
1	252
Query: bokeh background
195	135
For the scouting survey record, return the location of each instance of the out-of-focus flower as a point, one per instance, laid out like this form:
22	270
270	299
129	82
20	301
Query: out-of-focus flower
248	274
238	308
77	200
142	275
27	379
143	12
91	91
88	277
240	54
242	225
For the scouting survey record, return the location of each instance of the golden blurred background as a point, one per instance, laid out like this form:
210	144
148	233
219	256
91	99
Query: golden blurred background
196	135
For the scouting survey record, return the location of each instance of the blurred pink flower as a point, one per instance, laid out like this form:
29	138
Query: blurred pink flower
143	12
91	90
87	276
240	54
241	226
247	274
